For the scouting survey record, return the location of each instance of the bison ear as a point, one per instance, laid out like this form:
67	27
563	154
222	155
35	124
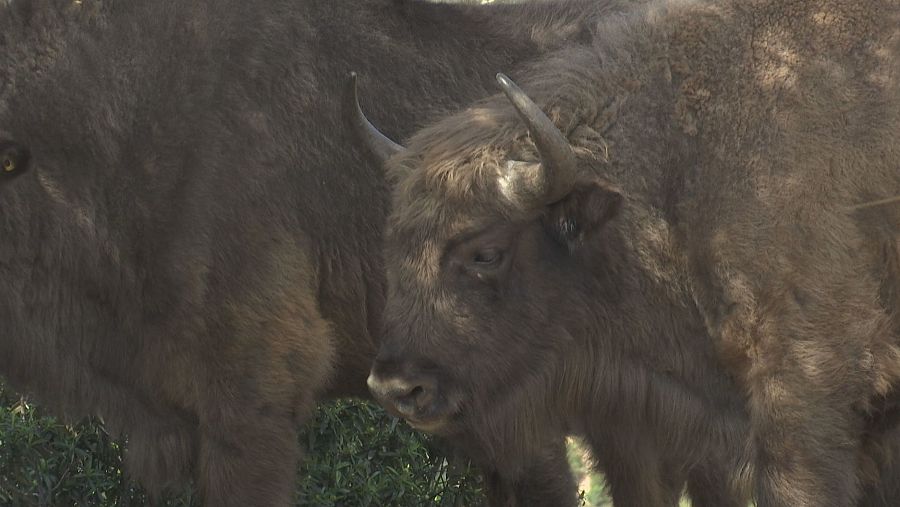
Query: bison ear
584	211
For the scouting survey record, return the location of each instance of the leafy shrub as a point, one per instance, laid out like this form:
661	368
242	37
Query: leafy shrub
357	455
43	462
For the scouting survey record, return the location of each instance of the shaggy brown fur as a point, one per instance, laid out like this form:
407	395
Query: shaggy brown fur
190	243
705	302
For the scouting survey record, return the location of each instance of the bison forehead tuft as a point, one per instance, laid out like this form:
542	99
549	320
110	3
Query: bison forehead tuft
457	159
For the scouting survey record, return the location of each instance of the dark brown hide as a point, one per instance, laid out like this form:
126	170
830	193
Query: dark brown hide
190	246
706	301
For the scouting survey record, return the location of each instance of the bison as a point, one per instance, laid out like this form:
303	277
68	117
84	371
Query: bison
681	243
190	247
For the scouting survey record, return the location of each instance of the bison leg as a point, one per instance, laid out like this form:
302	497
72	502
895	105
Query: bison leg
548	480
634	485
881	487
254	464
814	357
161	452
713	486
804	463
545	481
884	494
272	353
635	472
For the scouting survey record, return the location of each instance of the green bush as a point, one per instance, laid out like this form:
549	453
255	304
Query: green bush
357	455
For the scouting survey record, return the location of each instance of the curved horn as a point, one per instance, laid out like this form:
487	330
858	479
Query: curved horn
379	144
558	161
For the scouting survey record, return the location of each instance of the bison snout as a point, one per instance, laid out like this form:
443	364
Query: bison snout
409	397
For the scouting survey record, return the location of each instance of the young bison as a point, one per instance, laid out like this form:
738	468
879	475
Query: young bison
676	261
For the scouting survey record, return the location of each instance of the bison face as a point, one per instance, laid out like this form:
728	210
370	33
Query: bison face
488	261
477	315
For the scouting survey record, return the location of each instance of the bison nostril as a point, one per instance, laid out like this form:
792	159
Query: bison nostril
412	401
408	398
423	396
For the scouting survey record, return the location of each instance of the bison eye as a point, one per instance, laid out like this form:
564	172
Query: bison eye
13	158
487	257
9	164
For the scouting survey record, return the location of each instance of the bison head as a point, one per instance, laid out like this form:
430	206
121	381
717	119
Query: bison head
494	225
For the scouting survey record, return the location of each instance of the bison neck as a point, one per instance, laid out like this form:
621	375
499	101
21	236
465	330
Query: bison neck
646	362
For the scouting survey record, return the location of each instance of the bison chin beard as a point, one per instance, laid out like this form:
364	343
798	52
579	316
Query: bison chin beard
516	420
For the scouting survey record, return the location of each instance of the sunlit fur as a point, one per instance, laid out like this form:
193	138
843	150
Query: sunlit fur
195	252
736	322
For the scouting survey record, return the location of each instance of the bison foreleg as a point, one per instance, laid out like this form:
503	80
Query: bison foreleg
814	366
259	468
635	472
545	480
712	485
